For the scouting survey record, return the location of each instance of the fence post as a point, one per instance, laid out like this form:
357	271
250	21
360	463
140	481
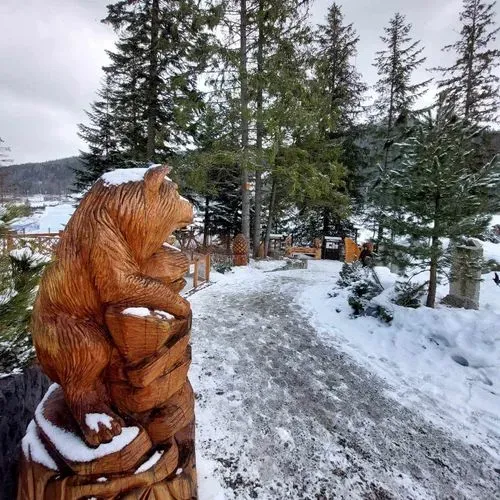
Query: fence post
207	267
195	277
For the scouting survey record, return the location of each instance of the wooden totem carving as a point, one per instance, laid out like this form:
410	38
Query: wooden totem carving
111	330
240	250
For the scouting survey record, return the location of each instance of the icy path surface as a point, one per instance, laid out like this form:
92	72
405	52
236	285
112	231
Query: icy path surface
282	414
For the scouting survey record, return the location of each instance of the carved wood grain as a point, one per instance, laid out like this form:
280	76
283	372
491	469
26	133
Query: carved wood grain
132	368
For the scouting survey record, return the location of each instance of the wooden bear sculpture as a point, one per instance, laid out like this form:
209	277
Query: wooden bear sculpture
112	331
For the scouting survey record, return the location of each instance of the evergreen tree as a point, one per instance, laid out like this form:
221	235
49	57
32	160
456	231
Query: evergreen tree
101	136
396	97
342	89
149	102
254	30
279	26
20	271
336	73
165	44
471	81
438	196
210	174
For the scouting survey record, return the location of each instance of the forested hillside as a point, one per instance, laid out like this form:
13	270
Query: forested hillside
49	177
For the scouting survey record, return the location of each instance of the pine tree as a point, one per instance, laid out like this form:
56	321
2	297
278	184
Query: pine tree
101	136
254	31
166	44
438	195
396	96
342	89
471	81
210	174
279	26
336	73
20	272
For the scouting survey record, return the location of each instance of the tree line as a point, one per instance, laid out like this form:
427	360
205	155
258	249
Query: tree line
265	121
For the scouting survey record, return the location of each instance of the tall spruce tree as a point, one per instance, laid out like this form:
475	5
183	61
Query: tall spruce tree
397	94
337	75
471	81
150	98
168	44
253	32
438	196
341	87
102	139
279	26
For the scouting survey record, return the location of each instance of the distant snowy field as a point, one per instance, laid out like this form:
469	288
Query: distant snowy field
49	216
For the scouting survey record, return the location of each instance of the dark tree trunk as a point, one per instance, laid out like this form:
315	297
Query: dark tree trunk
245	193
260	133
431	295
326	221
153	81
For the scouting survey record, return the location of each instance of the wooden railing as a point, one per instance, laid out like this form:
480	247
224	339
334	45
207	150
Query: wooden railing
45	243
201	270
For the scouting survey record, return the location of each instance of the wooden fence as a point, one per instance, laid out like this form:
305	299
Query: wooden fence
45	243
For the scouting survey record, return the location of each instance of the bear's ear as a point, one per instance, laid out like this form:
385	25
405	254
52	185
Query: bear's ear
155	176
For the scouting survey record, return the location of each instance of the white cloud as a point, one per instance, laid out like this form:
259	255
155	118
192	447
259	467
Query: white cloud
52	51
51	54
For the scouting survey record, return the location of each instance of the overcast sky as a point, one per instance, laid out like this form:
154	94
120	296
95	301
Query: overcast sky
52	51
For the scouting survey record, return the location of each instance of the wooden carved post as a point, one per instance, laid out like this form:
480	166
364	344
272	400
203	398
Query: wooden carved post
240	250
112	331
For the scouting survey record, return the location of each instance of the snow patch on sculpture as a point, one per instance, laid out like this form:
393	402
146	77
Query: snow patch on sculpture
150	462
33	448
94	419
71	446
136	311
124	175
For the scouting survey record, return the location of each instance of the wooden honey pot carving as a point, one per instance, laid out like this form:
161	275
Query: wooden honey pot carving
111	330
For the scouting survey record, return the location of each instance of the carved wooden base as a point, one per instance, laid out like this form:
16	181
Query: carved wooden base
240	260
57	464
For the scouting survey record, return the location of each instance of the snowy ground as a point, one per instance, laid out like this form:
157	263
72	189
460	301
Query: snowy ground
297	400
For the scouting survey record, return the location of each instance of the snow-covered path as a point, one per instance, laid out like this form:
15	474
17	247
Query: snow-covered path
282	414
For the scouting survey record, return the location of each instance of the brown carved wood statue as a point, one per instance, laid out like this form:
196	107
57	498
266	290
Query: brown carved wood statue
111	330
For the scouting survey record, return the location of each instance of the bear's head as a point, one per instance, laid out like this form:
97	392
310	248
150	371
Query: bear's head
143	204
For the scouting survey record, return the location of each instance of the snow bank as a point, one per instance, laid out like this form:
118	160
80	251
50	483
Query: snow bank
491	251
53	219
443	358
209	487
